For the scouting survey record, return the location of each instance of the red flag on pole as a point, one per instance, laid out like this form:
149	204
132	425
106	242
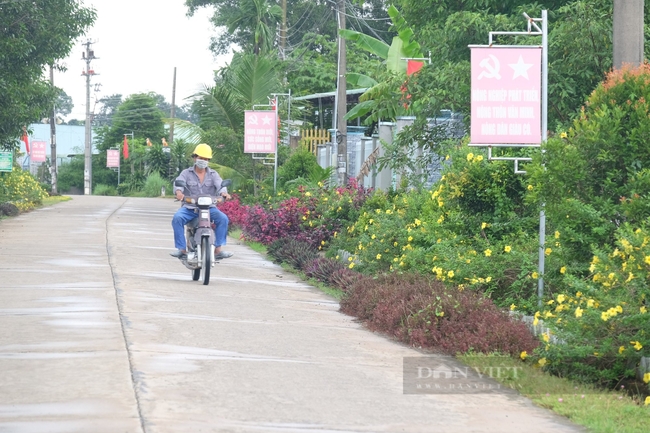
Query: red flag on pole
125	149
413	66
25	139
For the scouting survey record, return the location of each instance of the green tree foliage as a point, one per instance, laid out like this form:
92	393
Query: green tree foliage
33	34
303	17
301	164
596	176
139	114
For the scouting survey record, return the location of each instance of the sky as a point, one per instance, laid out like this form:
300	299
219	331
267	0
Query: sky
137	44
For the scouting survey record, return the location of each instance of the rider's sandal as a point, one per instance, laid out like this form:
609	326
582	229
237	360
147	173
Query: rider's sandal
223	255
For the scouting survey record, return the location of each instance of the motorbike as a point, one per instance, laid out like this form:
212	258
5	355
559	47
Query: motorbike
199	235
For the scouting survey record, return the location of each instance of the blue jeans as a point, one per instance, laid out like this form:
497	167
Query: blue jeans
185	215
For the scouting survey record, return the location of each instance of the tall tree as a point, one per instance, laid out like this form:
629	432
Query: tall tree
33	34
303	17
139	114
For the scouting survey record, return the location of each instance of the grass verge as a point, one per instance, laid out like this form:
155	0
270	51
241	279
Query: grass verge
255	246
55	199
601	411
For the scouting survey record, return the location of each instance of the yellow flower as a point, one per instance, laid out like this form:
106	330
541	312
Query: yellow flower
512	307
646	377
529	187
373	236
307	194
643	310
487	252
561	298
523	355
563	135
450	274
604	315
410	238
534	275
647	260
548	251
479	158
351	265
621	349
378	256
507	248
535	321
557	234
647	401
542	362
590	303
350	259
483	225
638	346
417	222
545	337
579	312
470	156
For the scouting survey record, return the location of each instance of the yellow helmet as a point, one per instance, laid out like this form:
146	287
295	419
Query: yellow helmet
203	150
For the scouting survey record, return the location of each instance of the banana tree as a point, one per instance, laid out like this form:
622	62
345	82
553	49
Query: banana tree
394	54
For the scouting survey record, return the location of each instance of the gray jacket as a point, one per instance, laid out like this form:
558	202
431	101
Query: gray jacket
211	184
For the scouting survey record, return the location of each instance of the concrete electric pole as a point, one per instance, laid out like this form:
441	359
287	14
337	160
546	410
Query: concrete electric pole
628	32
53	170
88	56
341	130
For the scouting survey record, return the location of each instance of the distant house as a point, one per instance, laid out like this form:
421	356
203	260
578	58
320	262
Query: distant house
70	141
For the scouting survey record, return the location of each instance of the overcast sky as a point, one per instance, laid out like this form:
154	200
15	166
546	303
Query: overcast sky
138	43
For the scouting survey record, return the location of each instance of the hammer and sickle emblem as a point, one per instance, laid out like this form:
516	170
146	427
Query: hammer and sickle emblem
490	69
253	119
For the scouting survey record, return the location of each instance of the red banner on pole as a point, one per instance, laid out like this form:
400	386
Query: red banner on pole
125	149
413	66
25	139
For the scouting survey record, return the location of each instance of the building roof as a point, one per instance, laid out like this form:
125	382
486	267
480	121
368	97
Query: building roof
328	94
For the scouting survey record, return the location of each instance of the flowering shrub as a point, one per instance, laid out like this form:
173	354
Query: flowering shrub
601	326
21	189
595	176
424	312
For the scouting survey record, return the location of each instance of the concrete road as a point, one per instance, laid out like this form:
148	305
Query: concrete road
102	331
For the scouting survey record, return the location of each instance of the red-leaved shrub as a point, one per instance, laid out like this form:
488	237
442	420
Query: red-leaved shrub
423	312
235	211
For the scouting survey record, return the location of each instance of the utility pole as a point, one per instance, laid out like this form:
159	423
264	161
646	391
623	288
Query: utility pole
628	32
53	170
341	130
173	110
283	31
88	56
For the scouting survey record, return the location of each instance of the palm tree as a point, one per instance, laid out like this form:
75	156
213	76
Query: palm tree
261	19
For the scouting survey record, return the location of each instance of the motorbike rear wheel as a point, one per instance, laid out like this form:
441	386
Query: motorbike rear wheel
206	262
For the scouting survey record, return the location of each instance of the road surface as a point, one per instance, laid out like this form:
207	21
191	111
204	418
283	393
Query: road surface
102	331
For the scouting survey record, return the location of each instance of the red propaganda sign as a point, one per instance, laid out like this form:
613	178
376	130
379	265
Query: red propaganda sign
38	151
112	158
506	95
260	131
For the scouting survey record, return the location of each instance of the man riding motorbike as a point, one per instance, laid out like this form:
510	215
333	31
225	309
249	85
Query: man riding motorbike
200	179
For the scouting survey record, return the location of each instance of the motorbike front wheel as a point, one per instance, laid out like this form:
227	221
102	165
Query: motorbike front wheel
206	263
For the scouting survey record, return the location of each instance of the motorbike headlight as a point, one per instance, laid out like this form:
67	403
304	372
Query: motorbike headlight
204	201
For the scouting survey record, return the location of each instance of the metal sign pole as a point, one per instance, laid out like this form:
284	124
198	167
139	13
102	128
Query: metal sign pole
533	30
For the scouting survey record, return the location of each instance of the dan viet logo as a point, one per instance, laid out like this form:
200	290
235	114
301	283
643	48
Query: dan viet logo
445	375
